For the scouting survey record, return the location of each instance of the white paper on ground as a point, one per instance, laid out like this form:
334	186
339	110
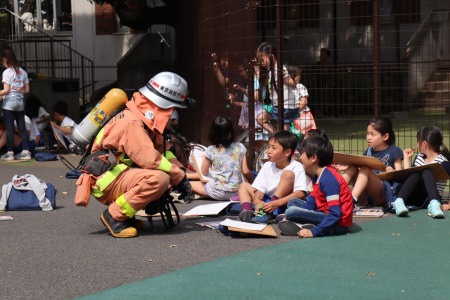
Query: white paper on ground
243	225
207	209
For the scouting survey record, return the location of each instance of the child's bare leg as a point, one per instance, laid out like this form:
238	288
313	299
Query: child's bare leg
198	188
263	120
2	138
192	176
246	196
246	193
350	173
368	180
286	184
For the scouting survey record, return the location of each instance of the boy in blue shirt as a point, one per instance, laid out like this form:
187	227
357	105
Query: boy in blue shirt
328	210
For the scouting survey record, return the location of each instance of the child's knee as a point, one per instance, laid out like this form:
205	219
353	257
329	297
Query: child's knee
365	170
287	176
244	188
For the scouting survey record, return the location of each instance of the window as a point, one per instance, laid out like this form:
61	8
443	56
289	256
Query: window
408	11
294	14
306	13
46	14
361	12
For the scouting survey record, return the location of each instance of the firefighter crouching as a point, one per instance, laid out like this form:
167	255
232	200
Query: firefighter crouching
131	145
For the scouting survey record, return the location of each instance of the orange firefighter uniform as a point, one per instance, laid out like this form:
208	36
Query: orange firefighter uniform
142	174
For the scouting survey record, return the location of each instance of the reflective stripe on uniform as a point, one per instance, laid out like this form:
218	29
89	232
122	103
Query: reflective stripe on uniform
169	155
109	176
125	159
99	137
125	206
165	165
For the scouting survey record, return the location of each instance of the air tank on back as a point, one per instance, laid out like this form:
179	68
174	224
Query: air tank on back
113	102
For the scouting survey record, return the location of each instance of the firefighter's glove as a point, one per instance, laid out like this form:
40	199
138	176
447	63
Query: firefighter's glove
185	190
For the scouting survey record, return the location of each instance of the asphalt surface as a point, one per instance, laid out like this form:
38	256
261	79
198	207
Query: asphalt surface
68	253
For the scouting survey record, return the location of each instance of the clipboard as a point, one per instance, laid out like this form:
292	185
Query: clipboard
401	175
268	231
358	160
58	135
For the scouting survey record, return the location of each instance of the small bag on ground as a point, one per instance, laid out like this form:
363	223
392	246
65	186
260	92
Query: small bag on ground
27	192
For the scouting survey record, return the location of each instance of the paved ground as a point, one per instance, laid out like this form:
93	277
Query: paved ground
68	253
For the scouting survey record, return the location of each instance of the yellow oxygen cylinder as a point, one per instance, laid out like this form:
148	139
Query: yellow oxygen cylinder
113	102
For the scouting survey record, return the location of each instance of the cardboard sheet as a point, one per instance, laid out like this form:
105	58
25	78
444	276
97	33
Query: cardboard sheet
401	175
358	160
268	231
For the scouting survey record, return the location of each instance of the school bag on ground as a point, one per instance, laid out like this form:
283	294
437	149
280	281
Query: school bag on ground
27	192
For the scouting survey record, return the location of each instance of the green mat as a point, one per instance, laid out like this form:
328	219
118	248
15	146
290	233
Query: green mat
390	258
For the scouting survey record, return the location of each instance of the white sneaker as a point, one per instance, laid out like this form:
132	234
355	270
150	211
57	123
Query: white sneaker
400	209
8	156
434	210
24	155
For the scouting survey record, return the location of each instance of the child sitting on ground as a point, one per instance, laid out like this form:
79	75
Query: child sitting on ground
66	124
225	161
421	189
328	210
381	142
279	180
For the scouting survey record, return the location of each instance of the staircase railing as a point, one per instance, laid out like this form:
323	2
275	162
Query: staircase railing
426	48
44	56
417	38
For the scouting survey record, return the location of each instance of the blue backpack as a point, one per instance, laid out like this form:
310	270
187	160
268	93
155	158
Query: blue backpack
44	156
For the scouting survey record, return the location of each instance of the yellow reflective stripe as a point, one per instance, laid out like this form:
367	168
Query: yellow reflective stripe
126	207
124	158
108	177
169	155
99	137
96	193
165	165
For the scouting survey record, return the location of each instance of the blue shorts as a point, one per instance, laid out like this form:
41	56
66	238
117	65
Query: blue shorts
278	211
289	114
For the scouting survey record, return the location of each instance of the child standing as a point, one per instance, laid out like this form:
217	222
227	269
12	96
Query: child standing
420	188
15	85
279	180
66	124
329	209
225	161
381	140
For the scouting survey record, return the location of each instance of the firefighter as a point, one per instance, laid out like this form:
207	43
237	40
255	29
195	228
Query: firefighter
141	173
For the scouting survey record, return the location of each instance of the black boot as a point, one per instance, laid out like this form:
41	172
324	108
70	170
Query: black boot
119	229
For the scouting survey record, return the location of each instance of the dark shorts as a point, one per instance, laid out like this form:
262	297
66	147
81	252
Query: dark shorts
289	114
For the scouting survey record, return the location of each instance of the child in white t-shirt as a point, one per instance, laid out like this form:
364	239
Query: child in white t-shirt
66	124
279	180
37	113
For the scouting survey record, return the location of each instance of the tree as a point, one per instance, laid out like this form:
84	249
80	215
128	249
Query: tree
138	14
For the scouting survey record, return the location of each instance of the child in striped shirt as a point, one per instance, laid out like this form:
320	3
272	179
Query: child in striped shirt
421	188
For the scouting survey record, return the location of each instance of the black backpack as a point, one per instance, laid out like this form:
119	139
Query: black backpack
163	206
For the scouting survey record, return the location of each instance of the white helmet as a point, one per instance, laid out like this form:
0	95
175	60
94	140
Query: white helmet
166	90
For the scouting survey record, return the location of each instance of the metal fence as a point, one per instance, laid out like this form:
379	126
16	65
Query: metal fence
378	57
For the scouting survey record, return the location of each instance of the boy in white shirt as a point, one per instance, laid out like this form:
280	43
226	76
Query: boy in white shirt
66	124
279	180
